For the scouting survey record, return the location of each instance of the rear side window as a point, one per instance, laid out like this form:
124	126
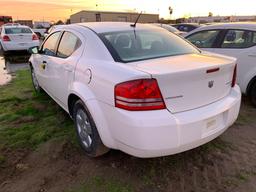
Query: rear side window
17	30
239	39
130	46
49	47
204	39
68	44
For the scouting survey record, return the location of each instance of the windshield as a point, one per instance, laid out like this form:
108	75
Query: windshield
17	30
130	46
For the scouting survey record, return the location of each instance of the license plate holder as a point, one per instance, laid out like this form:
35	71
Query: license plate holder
213	124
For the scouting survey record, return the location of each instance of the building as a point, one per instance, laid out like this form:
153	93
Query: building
25	22
98	16
218	19
42	24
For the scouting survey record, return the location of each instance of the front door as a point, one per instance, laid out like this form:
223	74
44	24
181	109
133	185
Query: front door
241	45
45	59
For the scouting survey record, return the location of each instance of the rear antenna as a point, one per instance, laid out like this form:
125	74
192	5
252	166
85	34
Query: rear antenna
134	25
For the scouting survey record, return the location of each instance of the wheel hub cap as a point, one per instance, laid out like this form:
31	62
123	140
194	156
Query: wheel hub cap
84	128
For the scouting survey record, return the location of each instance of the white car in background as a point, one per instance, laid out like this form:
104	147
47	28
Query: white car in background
51	29
170	29
15	37
232	39
139	89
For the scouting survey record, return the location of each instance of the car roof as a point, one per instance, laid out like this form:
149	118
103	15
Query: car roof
104	27
190	24
165	26
15	26
245	25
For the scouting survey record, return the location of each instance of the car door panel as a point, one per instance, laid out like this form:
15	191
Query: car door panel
246	56
44	59
62	70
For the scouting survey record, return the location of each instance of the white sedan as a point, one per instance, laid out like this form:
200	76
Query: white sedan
236	40
15	37
140	89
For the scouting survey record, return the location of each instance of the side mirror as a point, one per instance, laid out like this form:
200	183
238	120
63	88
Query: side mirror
33	50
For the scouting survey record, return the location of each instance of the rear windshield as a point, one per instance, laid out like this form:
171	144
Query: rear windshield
130	46
17	30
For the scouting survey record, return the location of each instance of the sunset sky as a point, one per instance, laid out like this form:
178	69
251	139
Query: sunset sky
49	10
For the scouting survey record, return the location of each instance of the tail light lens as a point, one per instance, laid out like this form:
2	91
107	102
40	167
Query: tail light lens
139	95
6	38
234	77
35	37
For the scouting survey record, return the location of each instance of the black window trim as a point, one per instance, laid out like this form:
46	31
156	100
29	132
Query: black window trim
224	35
216	41
56	46
117	58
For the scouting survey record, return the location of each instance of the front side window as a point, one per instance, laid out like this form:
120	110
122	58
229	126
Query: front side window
49	47
204	39
68	44
239	39
17	30
130	46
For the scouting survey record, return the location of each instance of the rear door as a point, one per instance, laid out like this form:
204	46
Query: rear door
63	65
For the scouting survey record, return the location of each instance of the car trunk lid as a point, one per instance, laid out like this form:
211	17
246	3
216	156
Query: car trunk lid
21	38
190	81
19	34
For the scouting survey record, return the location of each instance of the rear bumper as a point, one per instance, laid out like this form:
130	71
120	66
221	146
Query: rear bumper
13	46
160	133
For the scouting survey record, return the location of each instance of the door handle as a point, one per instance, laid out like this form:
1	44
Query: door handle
43	65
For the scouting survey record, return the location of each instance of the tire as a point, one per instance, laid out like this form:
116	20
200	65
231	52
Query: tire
36	85
2	52
87	132
253	94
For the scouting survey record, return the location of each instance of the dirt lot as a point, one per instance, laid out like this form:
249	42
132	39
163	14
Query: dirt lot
39	153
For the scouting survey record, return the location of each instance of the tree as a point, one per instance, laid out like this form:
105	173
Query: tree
210	14
170	10
59	22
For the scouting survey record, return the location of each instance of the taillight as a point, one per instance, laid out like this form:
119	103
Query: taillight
35	37
6	38
234	77
139	95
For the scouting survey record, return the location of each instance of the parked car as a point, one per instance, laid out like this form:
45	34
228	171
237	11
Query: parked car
236	40
139	89
15	37
40	33
186	27
51	29
170	29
